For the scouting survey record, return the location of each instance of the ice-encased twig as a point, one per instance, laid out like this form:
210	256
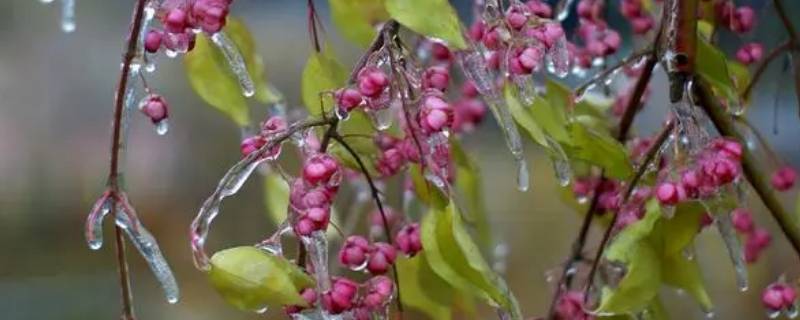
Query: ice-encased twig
147	246
94	222
68	15
235	62
228	186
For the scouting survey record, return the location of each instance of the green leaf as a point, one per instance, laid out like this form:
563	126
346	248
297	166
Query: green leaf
423	290
524	118
322	73
680	272
252	279
455	258
713	66
212	79
679	231
427	193
600	149
470	188
431	18
276	196
642	266
356	19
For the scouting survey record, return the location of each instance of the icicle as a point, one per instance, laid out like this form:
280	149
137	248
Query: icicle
235	62
228	186
317	248
94	223
146	244
523	176
67	15
727	232
46	1
513	140
474	66
562	9
558	62
561	165
527	89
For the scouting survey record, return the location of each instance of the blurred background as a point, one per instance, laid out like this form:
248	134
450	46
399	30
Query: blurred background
56	95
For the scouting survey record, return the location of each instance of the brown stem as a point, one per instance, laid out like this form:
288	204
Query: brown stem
753	174
787	23
796	62
116	146
376	196
312	26
763	67
625	125
650	156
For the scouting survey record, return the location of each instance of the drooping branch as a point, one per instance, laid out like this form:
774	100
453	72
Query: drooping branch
725	126
650	156
379	203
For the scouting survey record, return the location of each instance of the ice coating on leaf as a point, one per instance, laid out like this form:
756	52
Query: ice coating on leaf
558	62
147	246
724	225
68	15
94	222
513	140
235	62
561	165
317	248
228	186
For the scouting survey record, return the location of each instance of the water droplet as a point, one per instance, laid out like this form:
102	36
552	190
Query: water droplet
792	312
561	165
523	177
558	61
772	314
235	62
171	53
162	127
563	9
382	118
262	310
709	314
94	222
67	15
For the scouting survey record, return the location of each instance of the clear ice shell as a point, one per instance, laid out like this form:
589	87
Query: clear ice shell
561	165
94	222
147	246
162	127
227	186
562	9
235	62
317	248
558	62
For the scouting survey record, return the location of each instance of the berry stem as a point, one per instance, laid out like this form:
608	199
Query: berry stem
763	67
376	196
625	125
725	127
650	156
116	143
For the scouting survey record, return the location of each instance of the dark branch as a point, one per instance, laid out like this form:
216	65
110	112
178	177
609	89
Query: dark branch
763	67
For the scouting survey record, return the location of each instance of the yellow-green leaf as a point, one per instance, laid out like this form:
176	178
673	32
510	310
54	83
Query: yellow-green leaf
524	118
600	149
276	196
251	279
211	78
431	18
470	189
726	78
356	19
681	272
322	73
423	290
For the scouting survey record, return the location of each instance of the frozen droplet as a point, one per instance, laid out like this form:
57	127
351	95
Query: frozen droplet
94	222
171	53
689	252
162	127
67	15
523	176
579	72
262	310
382	118
773	314
728	233
561	165
150	65
709	314
147	246
475	69
235	62
527	89
46	1
342	113
558	61
562	9
791	312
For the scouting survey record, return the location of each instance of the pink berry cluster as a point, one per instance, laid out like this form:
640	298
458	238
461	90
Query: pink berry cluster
155	108
641	21
779	297
311	195
750	52
784	178
269	128
718	165
520	40
181	20
756	239
344	296
372	91
570	307
357	253
740	19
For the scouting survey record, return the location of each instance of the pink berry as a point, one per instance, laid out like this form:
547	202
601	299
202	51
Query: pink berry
152	41
341	297
539	8
390	162
440	51
750	52
250	145
354	252
761	238
372	82
743	20
348	99
381	257
772	297
408	240
175	21
319	169
210	15
477	30
469	90
784	178
669	193
379	292
516	20
155	108
436	77
742	220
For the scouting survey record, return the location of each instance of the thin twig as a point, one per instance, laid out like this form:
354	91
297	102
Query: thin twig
379	204
763	67
608	71
650	156
751	171
312	26
625	125
787	23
